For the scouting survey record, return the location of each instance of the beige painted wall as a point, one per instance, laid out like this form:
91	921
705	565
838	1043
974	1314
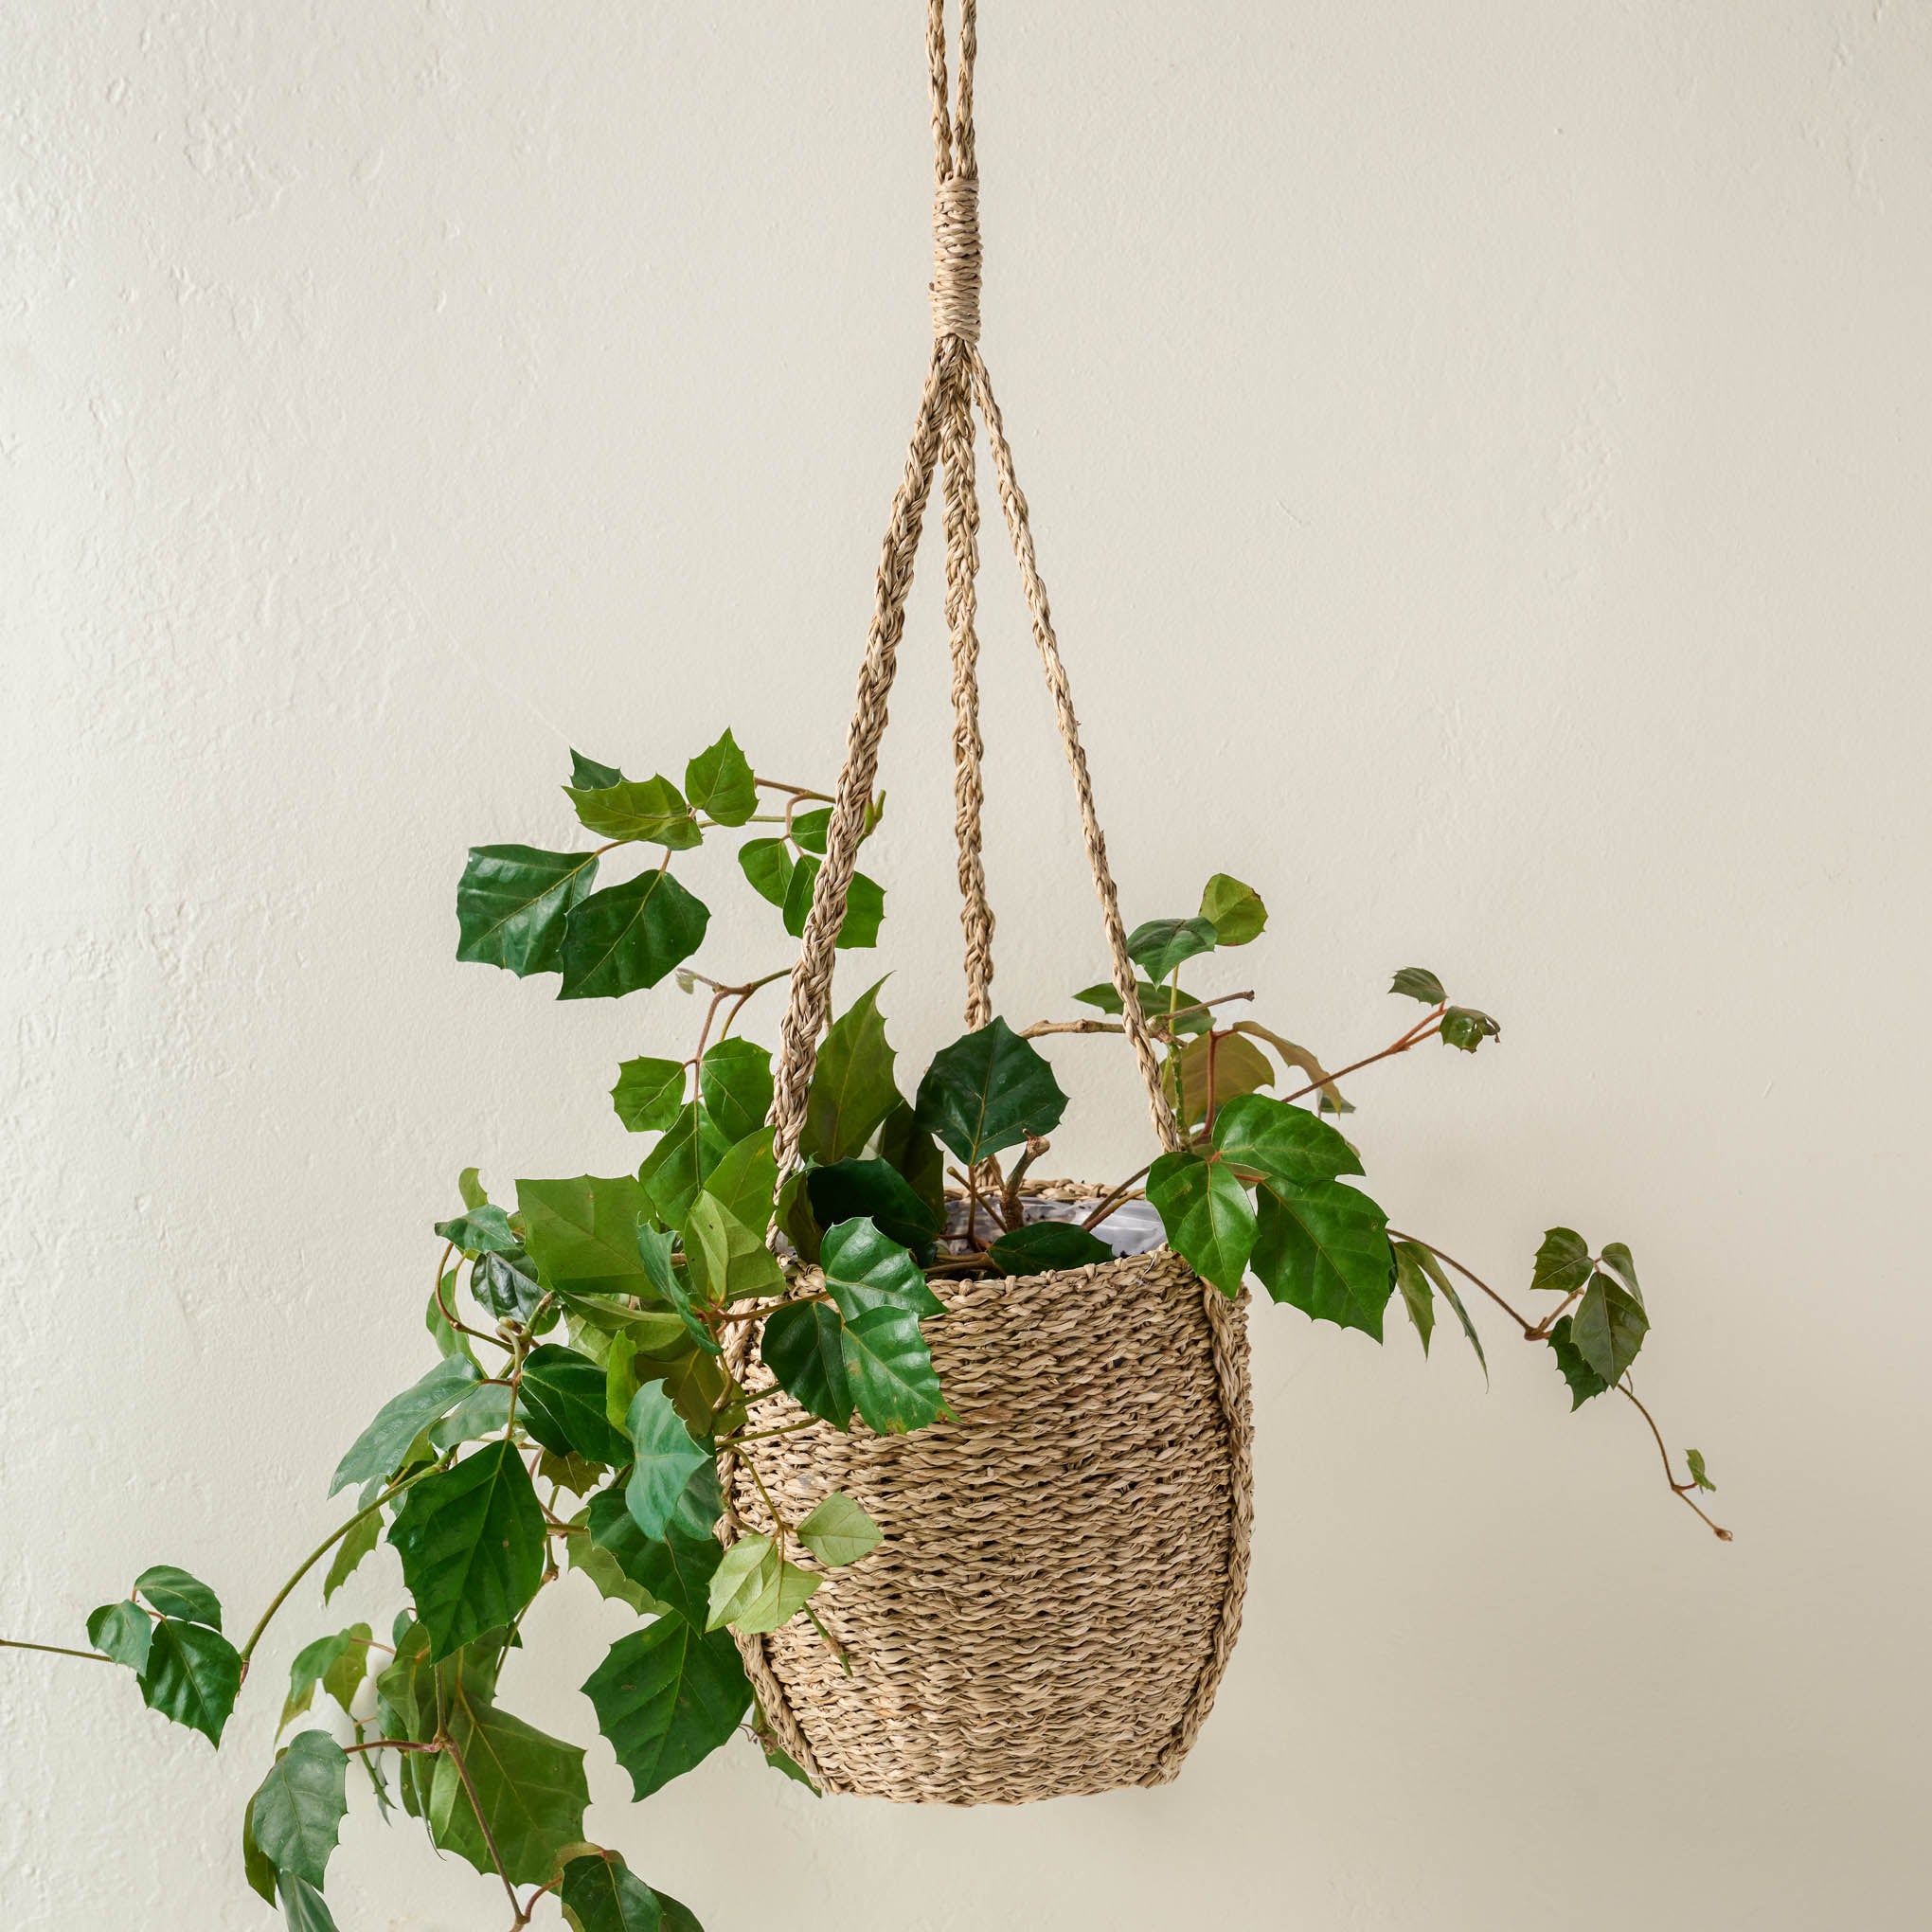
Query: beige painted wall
1484	449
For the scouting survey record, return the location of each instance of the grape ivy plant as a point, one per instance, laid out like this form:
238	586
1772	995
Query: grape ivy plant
579	1396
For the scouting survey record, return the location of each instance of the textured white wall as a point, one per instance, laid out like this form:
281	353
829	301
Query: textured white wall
1480	458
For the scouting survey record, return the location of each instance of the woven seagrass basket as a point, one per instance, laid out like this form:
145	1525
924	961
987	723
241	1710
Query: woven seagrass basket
1060	1582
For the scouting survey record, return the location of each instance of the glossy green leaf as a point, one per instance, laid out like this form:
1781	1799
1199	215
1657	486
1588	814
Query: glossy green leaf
680	1164
649	1093
1277	1142
191	1676
319	1662
586	775
630	936
299	1808
304	1908
512	903
648	809
1418	1297
720	783
667	1459
889	1369
865	1269
258	1868
650	1331
1608	1327
915	1155
471	1543
576	1473
654	1247
735	1082
666	1697
1160	944
1042	1246
561	1405
728	1261
1694	1461
695	1384
582	1232
1466	1028
601	1893
1331	1100
1234	910
1239	1068
174	1593
1619	1257
603	1567
675	1569
1562	1261
804	1347
529	1786
853	1089
1206	1215
988	1091
877	1190
122	1631
1323	1248
506	1284
479	1231
767	863
865	905
755	1590
381	1447
1585	1383
483	1412
1156	1002
362	1537
1421	1258
1418	982
449	1341
745	1180
838	1531
810	828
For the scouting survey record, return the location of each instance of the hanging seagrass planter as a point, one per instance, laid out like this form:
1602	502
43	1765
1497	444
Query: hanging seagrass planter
1060	1582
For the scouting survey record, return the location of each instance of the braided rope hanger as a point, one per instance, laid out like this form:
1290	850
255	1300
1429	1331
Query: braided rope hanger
956	381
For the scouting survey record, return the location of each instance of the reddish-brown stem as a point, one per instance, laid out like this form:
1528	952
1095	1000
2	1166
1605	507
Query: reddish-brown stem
1414	1037
389	1745
1109	1202
448	1744
1680	1489
449	1315
1522	1321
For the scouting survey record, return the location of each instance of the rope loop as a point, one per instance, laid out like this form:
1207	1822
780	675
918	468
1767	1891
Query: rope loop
955	258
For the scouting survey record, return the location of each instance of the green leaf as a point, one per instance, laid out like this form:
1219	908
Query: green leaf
1234	910
449	1341
303	1907
602	1565
1619	1257
529	1786
803	1346
122	1631
344	1677
581	1232
512	903
889	1369
1562	1261
865	1269
853	1089
601	1894
745	1179
915	1155
483	1412
767	863
1584	1381
471	1543
1699	1474
650	808
1608	1327
630	936
696	1385
647	1094
865	905
666	1696
1206	1213
299	1808
988	1091
1239	1069
381	1447
1412	1279
755	1590
320	1662
735	1082
561	1405
469	1186
1323	1248
675	1569
648	1330
1304	1062
506	1284
667	1459
1421	1258
654	1247
680	1164
1464	1027
1160	946
191	1676
481	1230
174	1593
1418	982
720	783
1277	1142
588	775
1042	1246
257	1869
877	1190
362	1537
809	829
728	1261
1156	1002
838	1531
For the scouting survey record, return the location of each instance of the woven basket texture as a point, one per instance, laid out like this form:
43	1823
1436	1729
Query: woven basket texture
1060	1582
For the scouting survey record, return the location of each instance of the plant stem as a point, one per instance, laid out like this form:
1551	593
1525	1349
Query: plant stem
1680	1489
1414	1037
1522	1321
761	1434
54	1650
449	1744
1109	1202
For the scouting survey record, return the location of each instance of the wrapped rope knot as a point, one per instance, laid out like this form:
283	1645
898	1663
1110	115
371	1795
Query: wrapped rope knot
955	258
